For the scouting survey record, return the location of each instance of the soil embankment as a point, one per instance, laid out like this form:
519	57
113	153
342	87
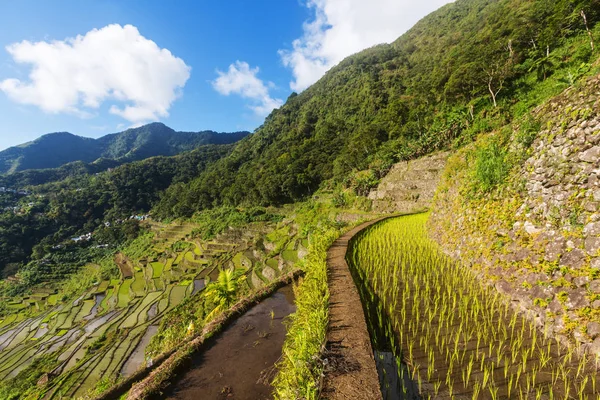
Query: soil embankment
350	372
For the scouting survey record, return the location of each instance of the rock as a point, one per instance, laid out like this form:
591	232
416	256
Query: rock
519	255
593	329
596	305
580	336
43	380
555	307
581	281
594	348
595	286
555	249
574	243
593	228
573	259
592	245
595	263
503	287
590	155
576	300
530	228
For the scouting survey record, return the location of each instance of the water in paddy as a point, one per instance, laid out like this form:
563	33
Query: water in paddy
199	284
137	358
238	363
394	376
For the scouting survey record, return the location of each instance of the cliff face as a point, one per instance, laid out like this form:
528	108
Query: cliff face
536	236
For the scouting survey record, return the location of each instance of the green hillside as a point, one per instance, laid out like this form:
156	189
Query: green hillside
428	90
474	78
57	149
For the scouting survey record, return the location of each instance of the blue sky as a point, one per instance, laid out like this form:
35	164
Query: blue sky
193	65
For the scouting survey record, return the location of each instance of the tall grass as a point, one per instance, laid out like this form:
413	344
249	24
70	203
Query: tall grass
299	370
456	336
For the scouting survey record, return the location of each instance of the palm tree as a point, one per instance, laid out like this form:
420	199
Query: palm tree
223	292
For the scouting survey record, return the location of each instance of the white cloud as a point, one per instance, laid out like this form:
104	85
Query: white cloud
343	27
115	63
240	79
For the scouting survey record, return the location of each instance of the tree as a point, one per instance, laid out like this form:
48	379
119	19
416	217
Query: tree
223	292
543	66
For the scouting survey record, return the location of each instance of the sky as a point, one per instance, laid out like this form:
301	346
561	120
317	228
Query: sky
93	67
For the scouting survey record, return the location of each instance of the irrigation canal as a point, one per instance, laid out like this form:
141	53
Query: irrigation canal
239	363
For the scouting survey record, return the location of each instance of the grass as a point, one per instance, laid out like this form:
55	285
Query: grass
455	335
139	284
157	269
299	371
123	293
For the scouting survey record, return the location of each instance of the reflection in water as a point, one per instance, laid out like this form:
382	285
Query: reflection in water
137	358
239	362
394	385
198	285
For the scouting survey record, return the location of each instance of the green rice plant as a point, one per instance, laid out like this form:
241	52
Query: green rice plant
426	306
298	371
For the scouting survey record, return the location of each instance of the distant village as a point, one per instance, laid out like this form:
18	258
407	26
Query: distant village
88	236
19	192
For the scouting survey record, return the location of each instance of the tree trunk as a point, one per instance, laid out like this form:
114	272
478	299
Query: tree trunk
492	91
588	30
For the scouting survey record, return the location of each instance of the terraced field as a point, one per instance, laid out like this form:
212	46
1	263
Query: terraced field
103	334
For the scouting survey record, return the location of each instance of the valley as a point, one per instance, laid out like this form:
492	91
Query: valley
422	222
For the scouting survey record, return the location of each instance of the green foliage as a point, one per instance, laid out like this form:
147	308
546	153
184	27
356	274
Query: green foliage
427	90
26	380
339	199
223	292
299	370
528	131
362	182
212	222
140	247
491	166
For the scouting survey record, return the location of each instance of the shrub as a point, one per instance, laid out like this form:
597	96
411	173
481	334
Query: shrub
491	167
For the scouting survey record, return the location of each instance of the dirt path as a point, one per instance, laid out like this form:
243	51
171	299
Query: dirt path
351	372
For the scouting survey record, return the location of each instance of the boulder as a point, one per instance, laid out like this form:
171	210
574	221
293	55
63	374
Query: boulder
577	300
593	229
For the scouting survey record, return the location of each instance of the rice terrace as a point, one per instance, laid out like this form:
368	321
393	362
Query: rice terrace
401	202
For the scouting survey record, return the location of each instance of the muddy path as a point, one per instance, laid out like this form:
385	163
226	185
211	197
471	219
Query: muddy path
351	372
239	362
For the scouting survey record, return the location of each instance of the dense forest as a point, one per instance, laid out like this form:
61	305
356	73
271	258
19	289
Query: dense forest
81	203
462	70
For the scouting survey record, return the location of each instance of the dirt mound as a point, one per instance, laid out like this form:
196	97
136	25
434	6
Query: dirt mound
125	265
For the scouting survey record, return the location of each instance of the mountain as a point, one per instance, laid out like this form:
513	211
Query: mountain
57	149
464	70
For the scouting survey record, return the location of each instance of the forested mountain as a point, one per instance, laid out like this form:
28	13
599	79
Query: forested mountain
31	225
465	69
469	68
156	139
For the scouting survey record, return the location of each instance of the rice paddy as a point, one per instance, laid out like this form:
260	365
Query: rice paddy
103	334
438	332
